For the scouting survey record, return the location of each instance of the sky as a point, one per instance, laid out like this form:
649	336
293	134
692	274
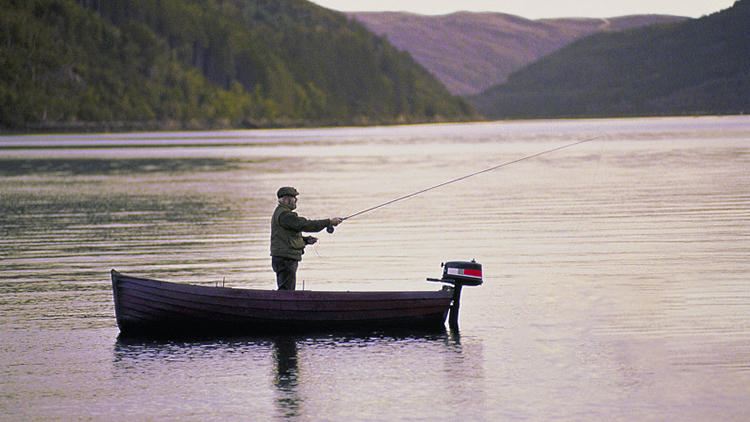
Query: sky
536	9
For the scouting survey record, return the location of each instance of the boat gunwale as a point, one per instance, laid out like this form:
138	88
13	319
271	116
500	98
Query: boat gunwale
282	295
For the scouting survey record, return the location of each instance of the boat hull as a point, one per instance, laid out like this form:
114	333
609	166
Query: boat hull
152	307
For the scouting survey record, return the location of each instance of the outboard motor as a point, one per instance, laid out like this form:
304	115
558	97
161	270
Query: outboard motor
466	273
459	274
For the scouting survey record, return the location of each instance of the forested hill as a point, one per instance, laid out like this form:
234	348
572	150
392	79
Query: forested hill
700	66
169	64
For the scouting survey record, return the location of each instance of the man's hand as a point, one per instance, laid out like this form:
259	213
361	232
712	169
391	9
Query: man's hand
335	221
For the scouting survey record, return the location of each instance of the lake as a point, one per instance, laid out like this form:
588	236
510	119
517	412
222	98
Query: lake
616	271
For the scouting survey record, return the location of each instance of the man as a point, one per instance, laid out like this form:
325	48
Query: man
287	242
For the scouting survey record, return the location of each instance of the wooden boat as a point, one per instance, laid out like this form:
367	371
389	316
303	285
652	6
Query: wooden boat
151	307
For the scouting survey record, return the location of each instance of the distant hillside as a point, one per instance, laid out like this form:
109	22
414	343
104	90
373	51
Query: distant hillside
96	64
700	66
470	52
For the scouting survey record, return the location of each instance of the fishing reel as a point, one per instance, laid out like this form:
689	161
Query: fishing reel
329	228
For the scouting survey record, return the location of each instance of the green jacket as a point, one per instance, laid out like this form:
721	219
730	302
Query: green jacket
286	232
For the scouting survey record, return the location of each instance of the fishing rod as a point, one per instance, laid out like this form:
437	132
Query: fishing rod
505	164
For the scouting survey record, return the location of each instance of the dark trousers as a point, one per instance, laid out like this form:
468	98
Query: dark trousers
286	272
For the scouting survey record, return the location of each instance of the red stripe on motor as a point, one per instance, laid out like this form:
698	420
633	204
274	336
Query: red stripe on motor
473	273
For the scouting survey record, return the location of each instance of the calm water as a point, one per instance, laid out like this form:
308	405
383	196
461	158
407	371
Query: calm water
616	272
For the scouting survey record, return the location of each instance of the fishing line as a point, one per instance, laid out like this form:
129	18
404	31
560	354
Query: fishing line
315	248
505	164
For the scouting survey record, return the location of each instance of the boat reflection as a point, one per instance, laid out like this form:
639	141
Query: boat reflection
285	370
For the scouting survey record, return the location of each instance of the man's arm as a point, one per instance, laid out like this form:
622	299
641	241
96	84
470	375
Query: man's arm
291	221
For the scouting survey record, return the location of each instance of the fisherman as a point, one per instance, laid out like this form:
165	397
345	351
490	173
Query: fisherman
287	242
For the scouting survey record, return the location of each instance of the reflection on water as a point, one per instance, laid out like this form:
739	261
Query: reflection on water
110	167
298	369
287	371
615	272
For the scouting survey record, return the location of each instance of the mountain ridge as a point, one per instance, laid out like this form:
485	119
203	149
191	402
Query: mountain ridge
699	66
470	52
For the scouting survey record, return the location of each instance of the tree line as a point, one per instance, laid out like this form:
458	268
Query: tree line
204	63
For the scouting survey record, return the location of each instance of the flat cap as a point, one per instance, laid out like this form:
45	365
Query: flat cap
287	191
